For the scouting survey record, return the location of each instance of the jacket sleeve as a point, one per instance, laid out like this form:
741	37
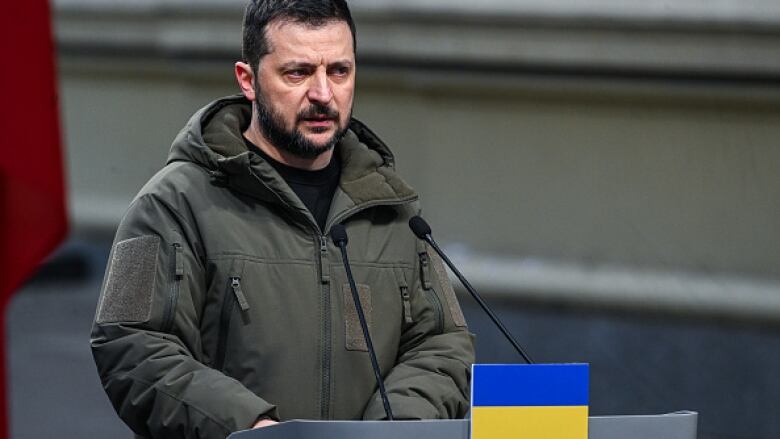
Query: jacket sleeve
431	377
146	340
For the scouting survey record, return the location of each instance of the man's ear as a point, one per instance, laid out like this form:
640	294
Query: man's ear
246	80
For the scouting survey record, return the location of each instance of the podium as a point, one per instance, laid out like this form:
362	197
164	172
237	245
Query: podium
678	425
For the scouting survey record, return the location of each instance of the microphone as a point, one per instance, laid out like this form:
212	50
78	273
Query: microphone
423	231
338	233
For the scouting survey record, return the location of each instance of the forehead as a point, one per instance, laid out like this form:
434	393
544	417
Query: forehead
295	40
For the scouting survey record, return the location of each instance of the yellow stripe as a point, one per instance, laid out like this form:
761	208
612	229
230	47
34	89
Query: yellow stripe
529	422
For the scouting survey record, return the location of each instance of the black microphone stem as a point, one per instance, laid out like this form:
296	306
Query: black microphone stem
429	239
356	298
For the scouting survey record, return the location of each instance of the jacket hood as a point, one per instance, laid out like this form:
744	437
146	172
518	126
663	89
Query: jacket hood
213	139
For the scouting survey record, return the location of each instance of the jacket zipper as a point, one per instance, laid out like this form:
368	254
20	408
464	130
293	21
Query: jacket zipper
173	297
430	293
326	328
235	285
225	317
433	298
406	299
326	301
324	269
425	271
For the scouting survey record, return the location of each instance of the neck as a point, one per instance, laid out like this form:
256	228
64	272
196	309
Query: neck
254	134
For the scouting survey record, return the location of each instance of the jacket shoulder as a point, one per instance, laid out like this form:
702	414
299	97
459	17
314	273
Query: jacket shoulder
176	178
174	194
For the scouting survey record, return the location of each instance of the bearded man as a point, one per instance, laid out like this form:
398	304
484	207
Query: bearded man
225	305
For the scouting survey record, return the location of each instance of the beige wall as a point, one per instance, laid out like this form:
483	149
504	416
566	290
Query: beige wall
668	170
654	179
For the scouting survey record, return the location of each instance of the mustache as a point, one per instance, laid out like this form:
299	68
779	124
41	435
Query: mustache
318	111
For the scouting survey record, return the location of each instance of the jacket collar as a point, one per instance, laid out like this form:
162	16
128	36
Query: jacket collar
213	139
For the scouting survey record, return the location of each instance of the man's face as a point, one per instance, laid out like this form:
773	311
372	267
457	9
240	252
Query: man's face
304	88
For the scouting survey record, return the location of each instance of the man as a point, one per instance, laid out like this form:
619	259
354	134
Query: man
225	304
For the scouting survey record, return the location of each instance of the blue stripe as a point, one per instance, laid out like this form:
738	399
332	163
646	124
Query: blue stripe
507	385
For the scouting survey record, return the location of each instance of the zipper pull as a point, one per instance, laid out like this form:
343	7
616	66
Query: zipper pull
425	270
178	261
407	299
324	264
235	284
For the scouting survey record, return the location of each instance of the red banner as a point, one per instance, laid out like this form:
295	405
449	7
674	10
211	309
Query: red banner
32	194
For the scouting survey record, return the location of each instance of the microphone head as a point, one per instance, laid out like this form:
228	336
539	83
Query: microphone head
419	227
338	233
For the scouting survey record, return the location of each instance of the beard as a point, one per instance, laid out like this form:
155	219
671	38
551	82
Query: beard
293	140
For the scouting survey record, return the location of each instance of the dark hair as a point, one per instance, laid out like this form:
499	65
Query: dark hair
260	13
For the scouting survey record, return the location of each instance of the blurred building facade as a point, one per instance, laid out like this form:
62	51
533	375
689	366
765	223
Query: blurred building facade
636	134
575	156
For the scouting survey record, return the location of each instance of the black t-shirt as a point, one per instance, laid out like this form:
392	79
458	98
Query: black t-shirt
314	188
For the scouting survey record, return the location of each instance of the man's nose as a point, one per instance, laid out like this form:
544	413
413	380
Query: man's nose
319	90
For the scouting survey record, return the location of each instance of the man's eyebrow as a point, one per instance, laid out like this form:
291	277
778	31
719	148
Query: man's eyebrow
308	65
296	65
342	63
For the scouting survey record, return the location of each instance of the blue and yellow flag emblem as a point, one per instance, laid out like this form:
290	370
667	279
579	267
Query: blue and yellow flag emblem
529	401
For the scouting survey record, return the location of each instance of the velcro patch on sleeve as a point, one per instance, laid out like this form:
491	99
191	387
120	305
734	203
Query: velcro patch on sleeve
127	295
449	292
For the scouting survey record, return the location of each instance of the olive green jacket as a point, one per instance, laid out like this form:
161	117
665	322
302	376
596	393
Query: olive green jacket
223	300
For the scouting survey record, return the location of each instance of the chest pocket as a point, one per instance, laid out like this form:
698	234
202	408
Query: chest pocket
234	297
436	284
384	298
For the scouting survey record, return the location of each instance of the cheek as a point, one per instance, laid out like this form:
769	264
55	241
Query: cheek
287	104
344	99
284	98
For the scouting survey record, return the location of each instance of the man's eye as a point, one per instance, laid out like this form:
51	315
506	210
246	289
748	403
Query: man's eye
298	73
340	71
